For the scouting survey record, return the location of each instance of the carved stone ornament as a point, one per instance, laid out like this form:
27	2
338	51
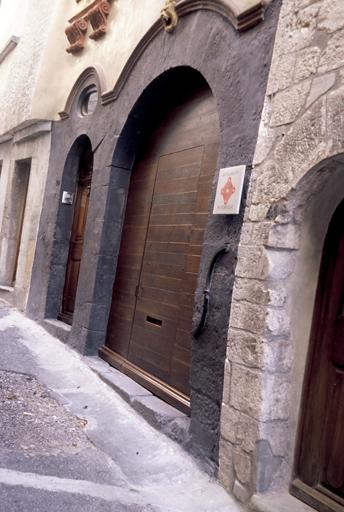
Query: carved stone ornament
98	18
96	13
169	16
76	33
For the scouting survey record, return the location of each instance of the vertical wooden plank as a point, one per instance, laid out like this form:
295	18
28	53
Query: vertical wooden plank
129	263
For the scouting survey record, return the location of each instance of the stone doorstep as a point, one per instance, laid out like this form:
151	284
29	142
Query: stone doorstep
57	324
160	415
277	502
56	328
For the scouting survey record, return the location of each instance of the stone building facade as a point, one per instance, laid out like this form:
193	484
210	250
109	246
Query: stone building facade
259	84
296	186
211	61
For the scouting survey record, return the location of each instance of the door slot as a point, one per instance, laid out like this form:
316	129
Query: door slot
154	321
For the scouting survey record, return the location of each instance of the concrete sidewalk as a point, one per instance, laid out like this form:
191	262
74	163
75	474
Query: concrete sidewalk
69	442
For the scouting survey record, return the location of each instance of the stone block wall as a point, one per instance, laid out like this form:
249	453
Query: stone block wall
32	144
296	184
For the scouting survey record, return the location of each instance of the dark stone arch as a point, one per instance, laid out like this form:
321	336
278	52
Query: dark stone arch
208	352
81	148
163	93
299	223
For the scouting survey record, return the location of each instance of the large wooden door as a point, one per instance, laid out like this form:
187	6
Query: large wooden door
320	465
149	329
77	237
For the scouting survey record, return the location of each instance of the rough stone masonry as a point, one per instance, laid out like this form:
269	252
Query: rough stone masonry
296	182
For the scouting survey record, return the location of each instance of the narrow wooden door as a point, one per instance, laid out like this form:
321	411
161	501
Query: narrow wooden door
149	330
320	467
77	238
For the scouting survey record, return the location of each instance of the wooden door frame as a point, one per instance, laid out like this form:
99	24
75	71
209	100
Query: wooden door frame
63	227
65	316
26	165
156	385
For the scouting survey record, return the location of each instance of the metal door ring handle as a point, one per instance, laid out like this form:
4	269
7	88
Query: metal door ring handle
206	292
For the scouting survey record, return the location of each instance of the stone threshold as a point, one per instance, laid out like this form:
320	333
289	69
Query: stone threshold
277	502
160	415
56	328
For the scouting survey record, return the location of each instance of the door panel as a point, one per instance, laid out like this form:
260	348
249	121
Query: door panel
77	238
130	256
158	309
333	474
320	467
167	210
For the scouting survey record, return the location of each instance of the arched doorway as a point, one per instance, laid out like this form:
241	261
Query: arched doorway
76	242
320	464
149	329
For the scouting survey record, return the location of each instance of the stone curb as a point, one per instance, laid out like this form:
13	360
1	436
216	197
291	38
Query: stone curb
158	414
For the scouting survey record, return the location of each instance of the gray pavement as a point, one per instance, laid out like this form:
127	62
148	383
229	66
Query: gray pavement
68	442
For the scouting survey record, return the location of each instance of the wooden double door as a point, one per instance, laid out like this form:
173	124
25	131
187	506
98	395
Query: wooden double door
320	465
149	329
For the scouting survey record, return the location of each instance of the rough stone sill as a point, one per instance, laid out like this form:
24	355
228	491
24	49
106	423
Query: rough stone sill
277	502
58	324
4	288
158	414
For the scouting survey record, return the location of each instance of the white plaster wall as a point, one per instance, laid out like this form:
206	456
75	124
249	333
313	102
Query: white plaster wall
30	21
12	19
128	21
38	75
